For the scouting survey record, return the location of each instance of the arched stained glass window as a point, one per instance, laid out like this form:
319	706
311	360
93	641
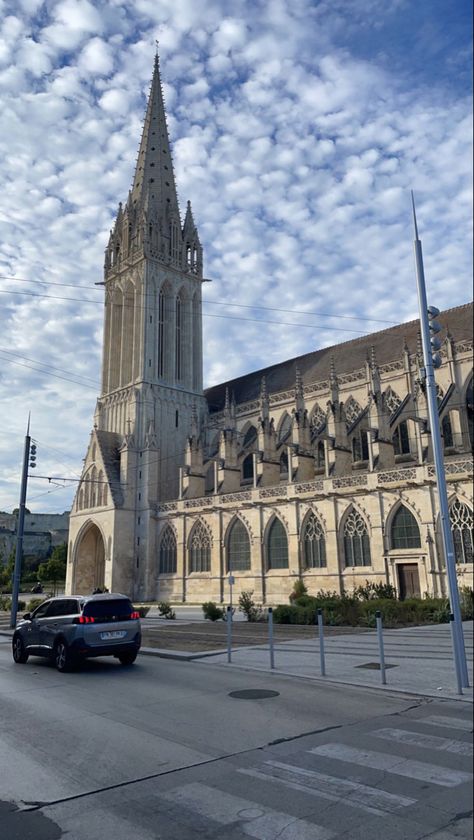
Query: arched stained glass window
200	549
277	546
317	422
356	541
401	439
238	548
168	552
462	526
314	544
405	532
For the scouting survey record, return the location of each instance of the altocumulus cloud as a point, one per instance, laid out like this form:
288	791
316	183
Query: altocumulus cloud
298	129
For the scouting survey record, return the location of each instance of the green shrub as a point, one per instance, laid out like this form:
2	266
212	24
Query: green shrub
143	611
249	608
212	611
371	590
165	610
35	602
299	590
466	598
6	603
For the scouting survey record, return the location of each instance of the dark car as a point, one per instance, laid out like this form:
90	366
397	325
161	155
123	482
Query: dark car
74	627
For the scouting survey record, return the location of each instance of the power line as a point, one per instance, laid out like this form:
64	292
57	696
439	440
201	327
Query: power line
48	373
205	314
44	364
215	302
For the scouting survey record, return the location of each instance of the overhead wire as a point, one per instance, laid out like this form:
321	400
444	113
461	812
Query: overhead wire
212	302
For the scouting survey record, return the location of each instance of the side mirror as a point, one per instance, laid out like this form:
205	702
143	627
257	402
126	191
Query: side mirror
26	616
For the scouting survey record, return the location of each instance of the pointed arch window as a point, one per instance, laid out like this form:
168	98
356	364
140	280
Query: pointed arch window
161	334
462	527
247	468
238	548
401	439
277	546
317	422
179	339
168	552
356	541
314	544
405	532
200	549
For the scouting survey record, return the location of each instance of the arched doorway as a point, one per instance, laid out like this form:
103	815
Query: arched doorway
89	562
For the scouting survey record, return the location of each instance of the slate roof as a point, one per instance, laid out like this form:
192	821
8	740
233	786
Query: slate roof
109	445
348	356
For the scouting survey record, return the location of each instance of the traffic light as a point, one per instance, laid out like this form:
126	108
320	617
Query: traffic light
434	327
33	455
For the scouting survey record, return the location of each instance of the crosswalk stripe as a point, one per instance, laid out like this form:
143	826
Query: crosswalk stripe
369	799
448	722
394	764
256	820
431	742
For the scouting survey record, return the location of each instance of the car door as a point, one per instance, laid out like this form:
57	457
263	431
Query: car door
60	613
32	636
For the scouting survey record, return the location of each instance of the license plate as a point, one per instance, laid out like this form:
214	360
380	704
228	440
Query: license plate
113	634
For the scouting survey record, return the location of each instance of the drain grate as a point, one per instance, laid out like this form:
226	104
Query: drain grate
374	666
254	694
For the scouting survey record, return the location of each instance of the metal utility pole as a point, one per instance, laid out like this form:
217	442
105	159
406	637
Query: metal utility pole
431	359
20	528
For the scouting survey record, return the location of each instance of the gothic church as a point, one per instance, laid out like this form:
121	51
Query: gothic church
317	468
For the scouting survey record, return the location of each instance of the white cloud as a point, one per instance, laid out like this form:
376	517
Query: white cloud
296	151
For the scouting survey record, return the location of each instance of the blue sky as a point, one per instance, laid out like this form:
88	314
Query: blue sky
298	129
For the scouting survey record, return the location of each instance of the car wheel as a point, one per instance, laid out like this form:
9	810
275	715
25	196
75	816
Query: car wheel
128	658
18	649
62	656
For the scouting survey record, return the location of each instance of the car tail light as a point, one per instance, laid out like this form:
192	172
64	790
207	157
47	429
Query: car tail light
84	619
135	614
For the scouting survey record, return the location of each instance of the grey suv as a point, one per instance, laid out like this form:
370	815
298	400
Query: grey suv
70	628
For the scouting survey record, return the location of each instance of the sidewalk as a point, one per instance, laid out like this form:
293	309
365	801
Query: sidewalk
419	660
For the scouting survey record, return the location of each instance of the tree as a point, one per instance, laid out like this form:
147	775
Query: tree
60	553
52	572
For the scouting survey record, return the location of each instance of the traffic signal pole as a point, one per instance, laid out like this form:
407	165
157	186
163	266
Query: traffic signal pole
430	344
20	528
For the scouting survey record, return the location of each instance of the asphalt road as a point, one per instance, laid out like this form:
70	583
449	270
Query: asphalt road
161	750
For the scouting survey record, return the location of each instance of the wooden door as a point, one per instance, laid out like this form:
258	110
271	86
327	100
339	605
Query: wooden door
409	581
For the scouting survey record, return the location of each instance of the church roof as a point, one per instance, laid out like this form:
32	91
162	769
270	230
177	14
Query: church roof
109	445
350	355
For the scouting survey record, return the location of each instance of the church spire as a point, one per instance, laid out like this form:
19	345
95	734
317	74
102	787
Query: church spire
154	169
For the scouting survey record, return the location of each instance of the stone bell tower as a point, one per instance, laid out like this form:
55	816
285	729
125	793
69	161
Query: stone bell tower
151	370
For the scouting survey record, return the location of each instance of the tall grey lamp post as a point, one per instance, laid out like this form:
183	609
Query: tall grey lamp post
20	528
430	344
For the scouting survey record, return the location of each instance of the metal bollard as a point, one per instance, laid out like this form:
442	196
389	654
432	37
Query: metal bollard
453	633
229	634
270	637
378	620
321	643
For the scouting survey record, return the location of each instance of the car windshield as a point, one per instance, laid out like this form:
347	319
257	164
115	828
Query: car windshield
119	608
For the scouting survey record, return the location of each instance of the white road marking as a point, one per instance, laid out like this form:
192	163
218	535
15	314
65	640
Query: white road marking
394	764
256	820
430	742
448	722
357	795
